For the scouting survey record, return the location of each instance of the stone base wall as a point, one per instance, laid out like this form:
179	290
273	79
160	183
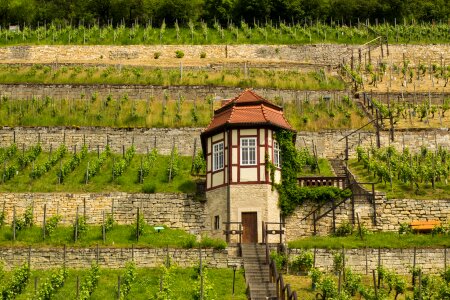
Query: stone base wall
113	258
363	261
172	210
390	213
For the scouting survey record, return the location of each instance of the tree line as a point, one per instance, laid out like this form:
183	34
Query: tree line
128	12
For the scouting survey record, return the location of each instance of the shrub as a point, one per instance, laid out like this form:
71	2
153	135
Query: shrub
179	54
345	229
203	55
217	244
404	228
352	282
51	224
279	259
149	188
156	55
439	230
303	262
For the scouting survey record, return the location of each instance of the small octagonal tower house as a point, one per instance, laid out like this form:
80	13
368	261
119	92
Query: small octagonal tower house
237	144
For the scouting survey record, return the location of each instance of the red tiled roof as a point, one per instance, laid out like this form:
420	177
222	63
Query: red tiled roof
248	108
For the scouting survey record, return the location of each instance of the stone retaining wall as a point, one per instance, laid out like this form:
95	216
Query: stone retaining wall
162	139
145	92
113	258
321	54
389	214
363	261
172	210
329	143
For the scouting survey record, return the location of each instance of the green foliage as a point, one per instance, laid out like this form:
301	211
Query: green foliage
70	165
199	164
29	156
28	216
18	282
139	226
280	259
51	286
51	224
43	168
303	262
166	293
121	165
216	243
147	164
446	275
404	228
352	283
208	291
26	221
94	166
80	226
290	193
338	262
2	218
109	222
90	282
344	229
127	279
174	164
179	54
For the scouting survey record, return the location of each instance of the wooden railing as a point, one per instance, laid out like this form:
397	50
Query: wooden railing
234	228
336	181
284	291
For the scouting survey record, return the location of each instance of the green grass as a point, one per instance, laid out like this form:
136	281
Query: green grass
324	167
120	236
147	113
374	240
400	190
128	182
279	79
145	285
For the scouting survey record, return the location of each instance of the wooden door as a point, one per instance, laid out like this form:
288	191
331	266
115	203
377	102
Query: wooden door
249	228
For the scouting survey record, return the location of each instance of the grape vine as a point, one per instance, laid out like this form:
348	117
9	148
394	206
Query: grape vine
95	166
120	166
18	282
51	286
425	166
69	166
43	168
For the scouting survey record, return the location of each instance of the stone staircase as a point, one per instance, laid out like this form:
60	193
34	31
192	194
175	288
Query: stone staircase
257	273
338	167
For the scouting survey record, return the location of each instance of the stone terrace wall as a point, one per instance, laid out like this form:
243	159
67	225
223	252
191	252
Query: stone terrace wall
329	143
389	214
320	54
173	210
143	139
145	92
114	258
363	261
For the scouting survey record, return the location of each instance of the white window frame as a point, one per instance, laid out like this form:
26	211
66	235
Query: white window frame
276	154
248	152
218	156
